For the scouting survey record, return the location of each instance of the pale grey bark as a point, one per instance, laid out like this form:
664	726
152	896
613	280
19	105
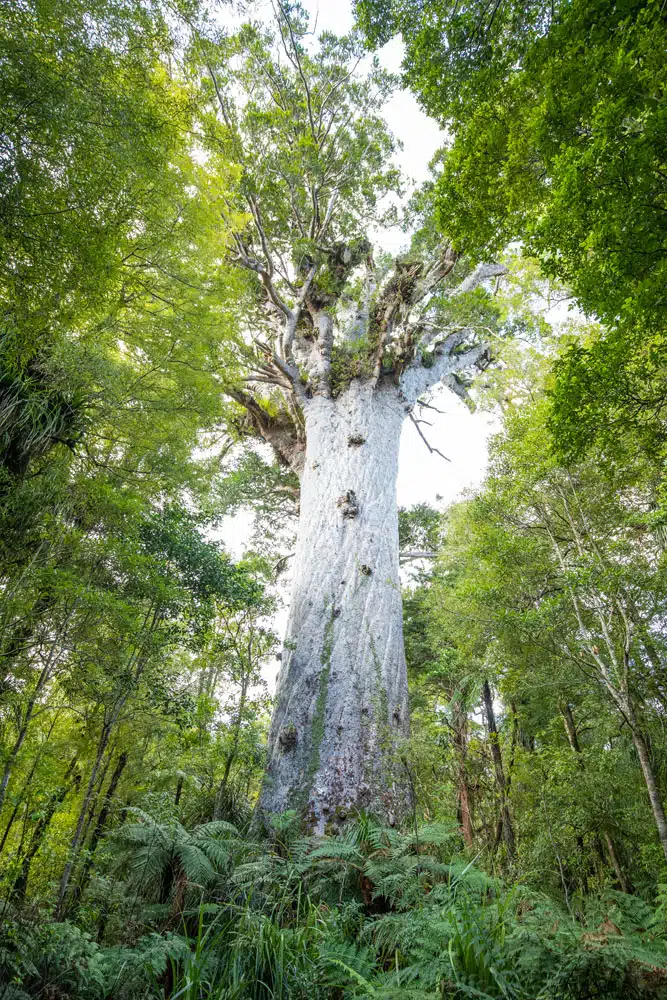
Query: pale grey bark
646	764
446	362
341	708
505	827
480	274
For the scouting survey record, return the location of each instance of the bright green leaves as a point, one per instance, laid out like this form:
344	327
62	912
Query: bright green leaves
558	126
171	536
610	394
112	240
306	130
89	132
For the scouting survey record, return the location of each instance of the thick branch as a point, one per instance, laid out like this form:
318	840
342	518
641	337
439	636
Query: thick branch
435	274
251	264
281	432
476	277
418	378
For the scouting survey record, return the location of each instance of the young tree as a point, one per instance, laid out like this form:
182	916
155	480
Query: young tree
341	351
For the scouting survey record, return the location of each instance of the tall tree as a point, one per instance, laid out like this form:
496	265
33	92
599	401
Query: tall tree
342	350
566	562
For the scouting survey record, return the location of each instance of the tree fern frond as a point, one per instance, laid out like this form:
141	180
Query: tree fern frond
196	866
216	828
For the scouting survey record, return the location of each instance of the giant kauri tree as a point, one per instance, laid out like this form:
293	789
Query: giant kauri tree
342	349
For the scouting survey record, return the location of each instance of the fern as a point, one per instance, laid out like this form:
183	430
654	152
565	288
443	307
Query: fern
369	913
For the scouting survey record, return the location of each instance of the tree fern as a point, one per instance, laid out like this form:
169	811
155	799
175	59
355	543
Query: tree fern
154	855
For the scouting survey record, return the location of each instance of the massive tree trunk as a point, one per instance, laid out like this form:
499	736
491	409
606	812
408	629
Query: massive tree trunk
341	709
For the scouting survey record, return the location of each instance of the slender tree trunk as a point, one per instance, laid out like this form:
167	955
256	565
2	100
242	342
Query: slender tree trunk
231	756
101	824
42	681
505	826
613	857
76	837
342	705
466	813
10	824
571	730
101	778
44	677
651	786
15	810
460	724
136	664
70	780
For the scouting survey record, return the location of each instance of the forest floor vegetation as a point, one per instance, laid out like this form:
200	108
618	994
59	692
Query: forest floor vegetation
372	912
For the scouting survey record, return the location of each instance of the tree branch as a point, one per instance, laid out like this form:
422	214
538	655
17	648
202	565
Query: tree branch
436	273
296	62
476	277
434	451
417	378
251	264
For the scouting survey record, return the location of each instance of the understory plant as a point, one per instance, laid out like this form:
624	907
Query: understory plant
370	912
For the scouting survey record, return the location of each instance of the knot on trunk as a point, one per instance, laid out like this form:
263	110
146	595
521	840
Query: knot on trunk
365	570
349	505
355	441
287	738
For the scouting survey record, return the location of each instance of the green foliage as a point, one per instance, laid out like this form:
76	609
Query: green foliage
110	282
557	115
609	392
370	913
310	127
133	708
419	528
350	360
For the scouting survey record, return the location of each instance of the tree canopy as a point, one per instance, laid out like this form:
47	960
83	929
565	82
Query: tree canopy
202	355
556	114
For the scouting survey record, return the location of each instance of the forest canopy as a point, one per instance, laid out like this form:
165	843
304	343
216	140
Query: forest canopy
264	734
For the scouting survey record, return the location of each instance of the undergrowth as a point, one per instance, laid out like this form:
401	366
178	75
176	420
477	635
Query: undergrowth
369	913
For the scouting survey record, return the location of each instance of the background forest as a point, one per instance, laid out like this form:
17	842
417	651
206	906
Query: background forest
134	708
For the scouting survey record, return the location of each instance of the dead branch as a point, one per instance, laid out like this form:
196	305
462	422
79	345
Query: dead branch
434	451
